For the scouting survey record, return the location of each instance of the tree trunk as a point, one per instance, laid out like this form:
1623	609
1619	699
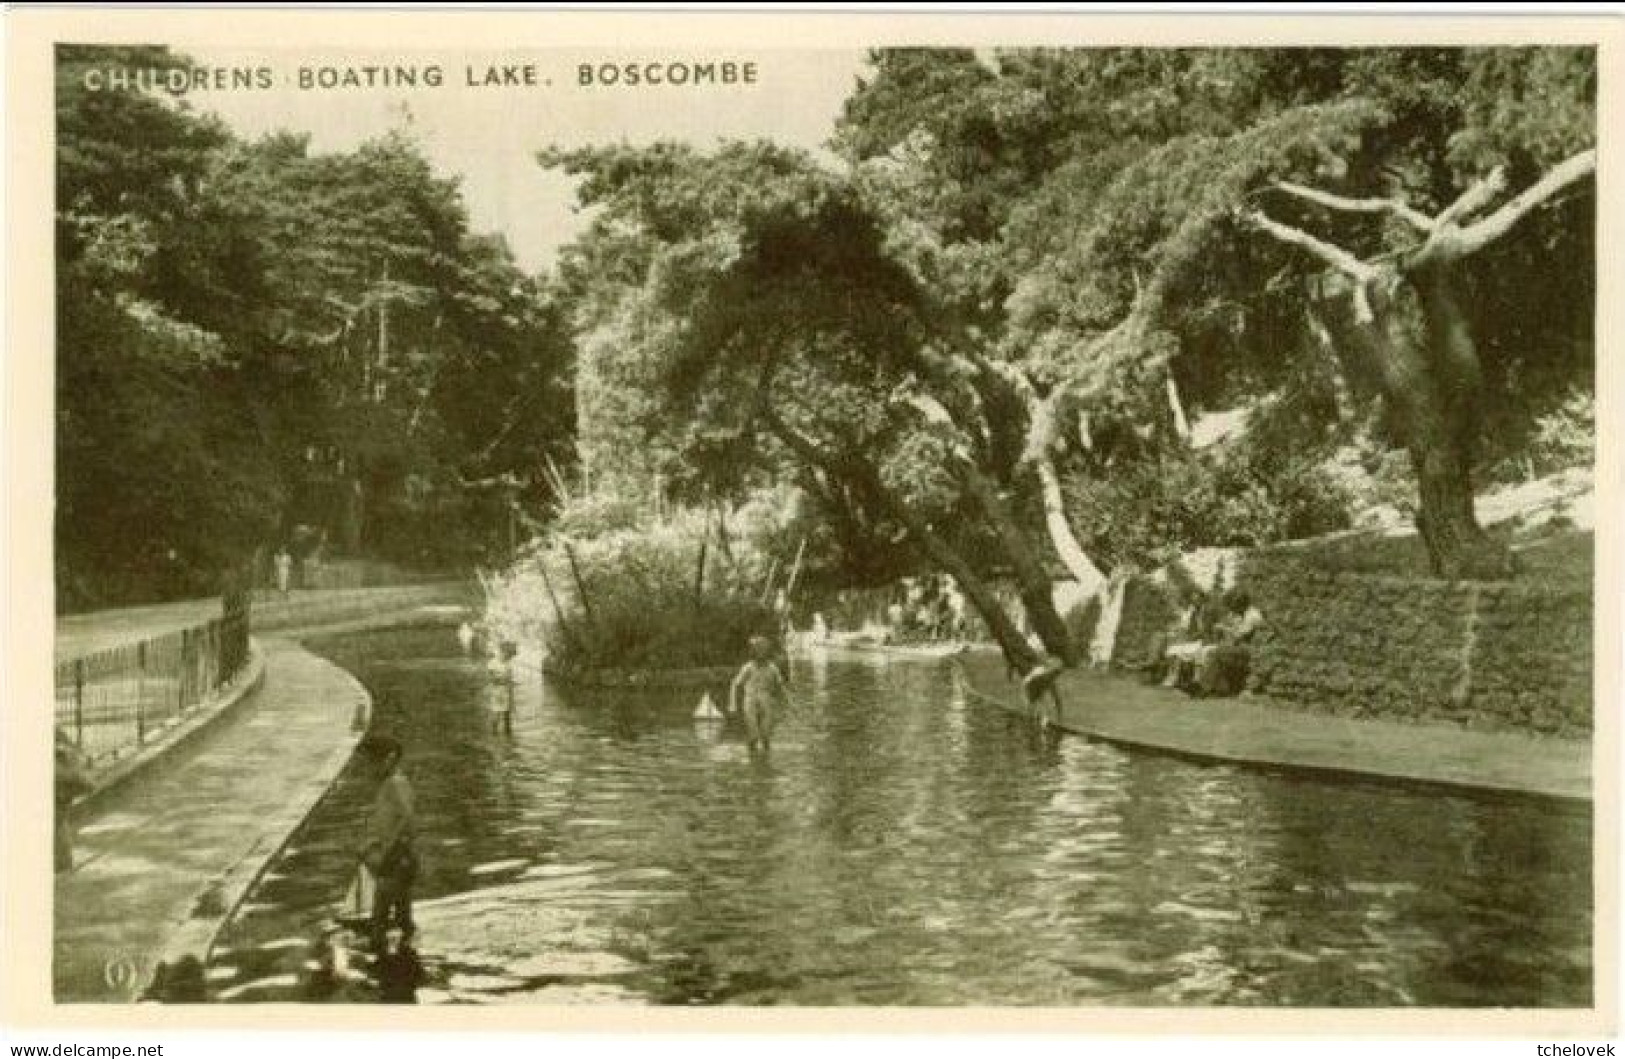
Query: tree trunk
1083	569
866	483
1011	390
1429	376
1033	582
1016	650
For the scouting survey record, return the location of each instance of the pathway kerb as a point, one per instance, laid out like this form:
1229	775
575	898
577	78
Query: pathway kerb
218	900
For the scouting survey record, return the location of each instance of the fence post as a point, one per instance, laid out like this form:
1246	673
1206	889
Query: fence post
211	658
141	693
188	678
79	702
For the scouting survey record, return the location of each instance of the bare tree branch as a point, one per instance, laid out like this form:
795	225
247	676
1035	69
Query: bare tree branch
1475	198
1412	216
1335	256
1477	236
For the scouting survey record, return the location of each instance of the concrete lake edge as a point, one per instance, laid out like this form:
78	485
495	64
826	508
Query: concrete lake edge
1510	764
220	900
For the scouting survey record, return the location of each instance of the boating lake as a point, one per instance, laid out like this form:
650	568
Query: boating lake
903	846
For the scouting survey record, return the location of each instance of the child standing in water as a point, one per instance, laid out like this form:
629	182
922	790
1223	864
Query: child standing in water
758	694
500	694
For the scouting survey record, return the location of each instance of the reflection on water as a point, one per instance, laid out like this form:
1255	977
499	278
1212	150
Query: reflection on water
903	847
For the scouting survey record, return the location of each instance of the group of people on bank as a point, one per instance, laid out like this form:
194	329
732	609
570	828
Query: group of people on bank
926	609
1207	649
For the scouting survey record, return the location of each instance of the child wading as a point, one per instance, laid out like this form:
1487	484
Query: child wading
499	701
758	694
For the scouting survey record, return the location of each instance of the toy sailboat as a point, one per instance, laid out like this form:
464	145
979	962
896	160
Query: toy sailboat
707	709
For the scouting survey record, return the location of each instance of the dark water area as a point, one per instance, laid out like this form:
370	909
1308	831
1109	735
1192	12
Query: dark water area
902	846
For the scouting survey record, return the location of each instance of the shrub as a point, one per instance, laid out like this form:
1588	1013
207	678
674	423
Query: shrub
625	598
1566	436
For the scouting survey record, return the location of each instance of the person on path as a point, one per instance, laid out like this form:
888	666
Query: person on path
70	783
388	847
283	564
758	694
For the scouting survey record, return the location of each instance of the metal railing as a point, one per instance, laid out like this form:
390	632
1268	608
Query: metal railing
118	699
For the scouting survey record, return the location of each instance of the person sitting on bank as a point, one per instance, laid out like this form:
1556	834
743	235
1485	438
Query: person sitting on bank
1173	650
1222	668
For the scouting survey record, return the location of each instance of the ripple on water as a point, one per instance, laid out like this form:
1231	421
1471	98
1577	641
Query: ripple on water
552	871
271	987
497	867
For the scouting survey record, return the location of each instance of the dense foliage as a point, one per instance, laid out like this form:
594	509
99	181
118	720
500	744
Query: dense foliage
673	590
978	336
253	337
1084	211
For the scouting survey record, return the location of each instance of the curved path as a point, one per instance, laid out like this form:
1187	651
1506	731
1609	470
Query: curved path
1255	732
160	865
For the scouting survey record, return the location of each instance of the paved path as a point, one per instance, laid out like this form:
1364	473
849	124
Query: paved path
1253	731
199	826
81	634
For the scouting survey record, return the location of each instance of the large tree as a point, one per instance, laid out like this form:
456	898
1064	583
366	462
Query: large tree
254	335
769	310
1093	215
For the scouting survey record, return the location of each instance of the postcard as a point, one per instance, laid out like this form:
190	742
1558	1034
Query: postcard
795	521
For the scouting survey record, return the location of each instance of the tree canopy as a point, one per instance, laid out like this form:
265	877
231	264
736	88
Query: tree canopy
253	336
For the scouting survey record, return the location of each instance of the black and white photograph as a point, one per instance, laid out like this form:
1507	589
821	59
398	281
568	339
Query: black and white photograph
1072	524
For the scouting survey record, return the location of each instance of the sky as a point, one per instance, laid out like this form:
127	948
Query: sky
488	135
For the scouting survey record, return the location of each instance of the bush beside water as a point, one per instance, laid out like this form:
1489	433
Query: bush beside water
634	596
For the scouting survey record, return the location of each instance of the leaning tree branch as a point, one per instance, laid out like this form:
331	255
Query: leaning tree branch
1475	198
1335	256
1403	210
1477	236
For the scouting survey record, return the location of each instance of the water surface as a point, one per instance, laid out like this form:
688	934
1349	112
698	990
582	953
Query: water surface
903	846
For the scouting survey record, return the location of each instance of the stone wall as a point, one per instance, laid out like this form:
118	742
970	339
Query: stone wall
1532	659
1513	655
1362	645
